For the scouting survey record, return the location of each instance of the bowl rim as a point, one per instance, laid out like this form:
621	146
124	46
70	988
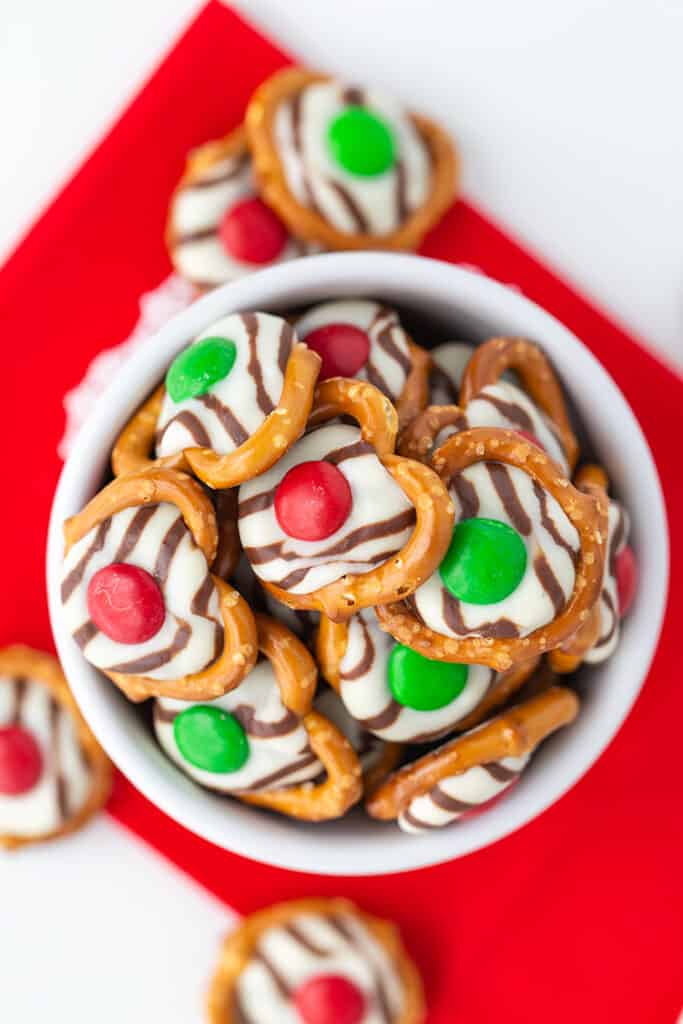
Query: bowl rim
337	275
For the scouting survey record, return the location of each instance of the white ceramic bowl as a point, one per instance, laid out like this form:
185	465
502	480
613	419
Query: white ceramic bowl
460	304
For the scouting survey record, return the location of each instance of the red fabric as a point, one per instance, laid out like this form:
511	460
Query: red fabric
578	917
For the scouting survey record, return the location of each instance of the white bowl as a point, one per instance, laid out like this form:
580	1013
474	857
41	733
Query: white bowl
459	303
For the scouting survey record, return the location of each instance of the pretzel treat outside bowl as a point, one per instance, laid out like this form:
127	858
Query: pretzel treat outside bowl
365	340
347	167
341	523
53	773
232	404
322	953
597	638
399	695
218	226
139	597
525	564
467	773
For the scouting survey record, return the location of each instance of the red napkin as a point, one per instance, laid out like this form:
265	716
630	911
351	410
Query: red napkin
577	917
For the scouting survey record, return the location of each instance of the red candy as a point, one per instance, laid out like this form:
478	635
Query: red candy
531	438
626	572
125	603
343	348
251	232
312	501
21	762
329	999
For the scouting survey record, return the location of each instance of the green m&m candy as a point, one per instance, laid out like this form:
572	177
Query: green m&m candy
485	562
211	739
361	142
422	684
199	367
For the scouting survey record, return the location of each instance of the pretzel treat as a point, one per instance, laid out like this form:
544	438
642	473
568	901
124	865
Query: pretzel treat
262	742
525	564
448	364
363	339
53	773
469	772
394	692
340	522
377	757
597	638
139	597
233	402
301	622
347	167
315	960
218	226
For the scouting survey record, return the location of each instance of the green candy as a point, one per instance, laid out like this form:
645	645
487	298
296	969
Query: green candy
485	562
422	684
199	367
211	739
361	142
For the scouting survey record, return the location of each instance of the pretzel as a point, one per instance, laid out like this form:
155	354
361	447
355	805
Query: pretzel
490	361
400	574
415	394
24	668
513	733
152	487
586	512
304	220
226	1003
418	438
280	429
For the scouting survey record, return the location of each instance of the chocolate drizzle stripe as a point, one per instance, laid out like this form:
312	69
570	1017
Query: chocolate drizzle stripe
284	348
366	660
19	686
376	377
295	932
354	96
418	823
548	580
506	491
154	660
614	620
78	571
254	726
282	773
386	342
548	524
297	142
349	451
190	422
257	503
61	794
499	772
227	419
384	719
440	379
451	804
85	633
239	1011
250	321
467	495
200	601
510	411
402	209
200	235
276	977
498	629
354	210
167	550
133	532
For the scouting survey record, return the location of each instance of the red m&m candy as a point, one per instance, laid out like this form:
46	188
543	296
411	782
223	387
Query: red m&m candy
329	999
251	232
21	762
312	500
125	603
626	572
343	348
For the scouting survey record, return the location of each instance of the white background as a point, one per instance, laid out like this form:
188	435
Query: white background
568	114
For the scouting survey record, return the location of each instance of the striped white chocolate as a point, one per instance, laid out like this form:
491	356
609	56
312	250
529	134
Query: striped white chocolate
155	538
450	360
374	204
368	747
279	751
493	490
197	210
65	784
608	635
301	621
364	689
458	795
229	412
505	405
307	946
379	524
389	363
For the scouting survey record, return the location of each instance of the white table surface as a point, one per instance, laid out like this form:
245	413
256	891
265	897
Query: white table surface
568	116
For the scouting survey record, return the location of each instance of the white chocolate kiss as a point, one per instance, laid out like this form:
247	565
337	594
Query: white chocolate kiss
155	538
65	784
608	634
457	795
364	689
378	503
551	541
228	414
197	210
450	360
376	204
279	752
310	945
389	361
368	747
